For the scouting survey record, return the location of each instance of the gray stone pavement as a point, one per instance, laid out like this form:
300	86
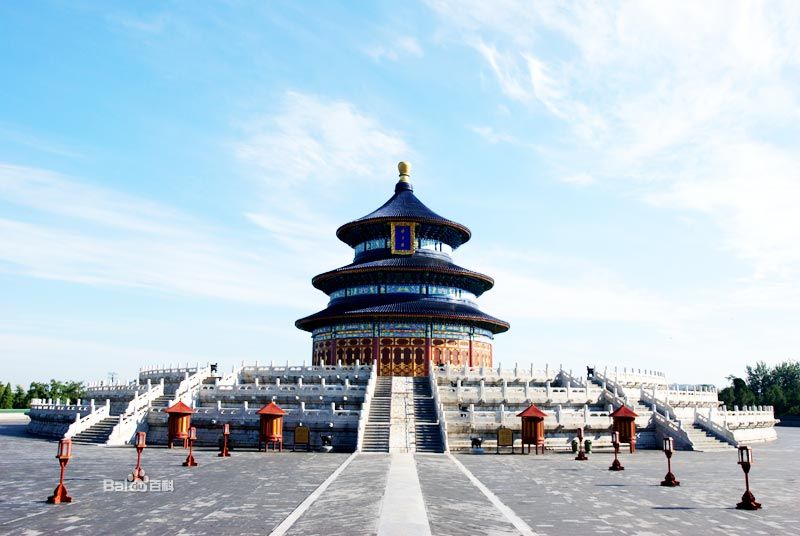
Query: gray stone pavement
248	493
456	507
351	505
555	494
252	493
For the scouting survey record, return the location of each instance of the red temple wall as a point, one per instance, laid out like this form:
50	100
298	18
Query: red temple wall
401	356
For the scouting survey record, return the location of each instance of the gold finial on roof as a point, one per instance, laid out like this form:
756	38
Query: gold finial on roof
405	171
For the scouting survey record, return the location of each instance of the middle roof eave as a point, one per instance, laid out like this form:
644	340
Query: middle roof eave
413	263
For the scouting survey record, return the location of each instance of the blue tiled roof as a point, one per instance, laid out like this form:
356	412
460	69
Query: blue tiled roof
403	205
408	308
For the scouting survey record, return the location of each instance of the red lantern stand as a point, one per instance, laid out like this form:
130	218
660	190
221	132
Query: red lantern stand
615	465
64	454
180	420
668	448
138	473
271	429
625	425
532	428
190	458
581	453
746	460
226	431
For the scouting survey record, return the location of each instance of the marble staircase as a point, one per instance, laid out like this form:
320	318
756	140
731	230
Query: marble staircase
376	432
97	433
427	433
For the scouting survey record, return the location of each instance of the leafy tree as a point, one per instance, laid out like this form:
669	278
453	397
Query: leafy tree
2	393
7	401
21	399
759	378
778	386
739	394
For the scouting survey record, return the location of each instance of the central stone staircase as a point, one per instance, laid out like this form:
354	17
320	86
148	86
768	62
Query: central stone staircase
427	430
704	441
97	433
376	432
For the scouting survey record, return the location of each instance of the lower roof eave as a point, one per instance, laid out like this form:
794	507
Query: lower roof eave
313	322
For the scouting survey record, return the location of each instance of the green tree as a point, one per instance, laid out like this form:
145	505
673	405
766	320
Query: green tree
38	390
759	379
2	393
7	402
738	394
21	399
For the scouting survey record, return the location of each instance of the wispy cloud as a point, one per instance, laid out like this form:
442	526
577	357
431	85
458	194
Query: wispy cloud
696	104
300	154
91	235
404	46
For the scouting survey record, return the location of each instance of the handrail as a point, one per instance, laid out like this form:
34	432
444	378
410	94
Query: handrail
187	386
672	429
440	415
134	414
715	429
98	414
366	405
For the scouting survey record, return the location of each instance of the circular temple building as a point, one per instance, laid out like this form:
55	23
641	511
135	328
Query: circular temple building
402	301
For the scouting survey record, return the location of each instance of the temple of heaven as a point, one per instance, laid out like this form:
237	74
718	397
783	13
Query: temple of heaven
402	301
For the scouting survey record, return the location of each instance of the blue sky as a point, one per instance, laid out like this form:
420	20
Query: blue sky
172	174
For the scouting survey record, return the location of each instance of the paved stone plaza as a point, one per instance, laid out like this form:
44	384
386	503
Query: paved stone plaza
257	493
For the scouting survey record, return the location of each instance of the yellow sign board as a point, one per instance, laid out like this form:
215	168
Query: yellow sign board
505	437
301	435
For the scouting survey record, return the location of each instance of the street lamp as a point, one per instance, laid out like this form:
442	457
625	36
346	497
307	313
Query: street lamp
581	454
616	466
192	438
746	460
138	472
226	431
668	447
64	454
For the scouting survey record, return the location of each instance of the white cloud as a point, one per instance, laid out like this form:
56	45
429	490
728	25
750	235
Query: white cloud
92	235
578	179
493	137
400	47
316	141
698	104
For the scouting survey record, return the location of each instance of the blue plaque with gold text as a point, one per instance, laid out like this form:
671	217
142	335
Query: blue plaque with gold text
403	240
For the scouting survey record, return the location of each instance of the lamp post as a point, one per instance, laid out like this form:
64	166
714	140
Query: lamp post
190	458
64	454
581	454
226	431
669	480
615	466
746	460
138	473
